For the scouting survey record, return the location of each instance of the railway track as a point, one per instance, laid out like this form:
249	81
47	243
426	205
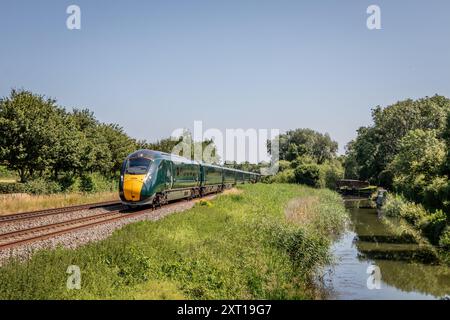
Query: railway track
55	211
24	236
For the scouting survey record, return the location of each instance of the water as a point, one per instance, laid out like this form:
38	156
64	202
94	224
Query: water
368	242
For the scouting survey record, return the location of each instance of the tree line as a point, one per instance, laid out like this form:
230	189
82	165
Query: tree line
407	150
40	139
308	157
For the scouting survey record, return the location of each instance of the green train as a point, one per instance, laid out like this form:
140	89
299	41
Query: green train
154	178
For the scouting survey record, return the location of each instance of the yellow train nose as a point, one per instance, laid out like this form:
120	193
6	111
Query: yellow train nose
132	186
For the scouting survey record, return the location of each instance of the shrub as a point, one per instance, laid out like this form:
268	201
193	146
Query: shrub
42	186
397	206
444	240
286	176
308	174
7	188
5	173
330	173
436	192
284	165
433	225
70	183
96	183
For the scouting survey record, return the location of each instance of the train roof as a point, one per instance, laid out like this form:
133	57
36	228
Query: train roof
152	154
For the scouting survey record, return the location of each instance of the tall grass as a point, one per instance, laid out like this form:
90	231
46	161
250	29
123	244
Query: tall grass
243	245
24	202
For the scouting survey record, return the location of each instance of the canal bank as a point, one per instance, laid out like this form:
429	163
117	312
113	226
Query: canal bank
372	262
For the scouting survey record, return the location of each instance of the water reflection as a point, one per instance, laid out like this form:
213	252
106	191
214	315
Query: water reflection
406	272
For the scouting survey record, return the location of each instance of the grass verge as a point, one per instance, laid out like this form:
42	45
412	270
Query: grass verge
243	245
21	203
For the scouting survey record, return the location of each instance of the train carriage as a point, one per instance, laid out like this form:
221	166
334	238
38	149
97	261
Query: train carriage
212	178
229	177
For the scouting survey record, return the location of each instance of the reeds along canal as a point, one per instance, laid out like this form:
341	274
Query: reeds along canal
374	262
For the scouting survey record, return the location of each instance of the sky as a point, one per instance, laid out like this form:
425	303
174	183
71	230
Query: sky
155	66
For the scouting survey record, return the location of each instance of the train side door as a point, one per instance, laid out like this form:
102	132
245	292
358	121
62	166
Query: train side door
169	174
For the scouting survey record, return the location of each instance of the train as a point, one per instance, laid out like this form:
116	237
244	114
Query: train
149	177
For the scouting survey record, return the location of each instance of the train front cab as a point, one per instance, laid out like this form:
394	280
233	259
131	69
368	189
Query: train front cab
135	180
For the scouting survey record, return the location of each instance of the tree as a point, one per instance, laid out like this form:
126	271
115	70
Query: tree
185	146
376	146
418	163
29	127
119	144
96	152
306	142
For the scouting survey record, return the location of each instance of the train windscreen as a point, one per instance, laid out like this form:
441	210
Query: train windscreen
138	166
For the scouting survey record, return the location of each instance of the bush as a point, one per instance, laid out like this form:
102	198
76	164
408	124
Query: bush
70	183
444	240
7	188
42	186
308	174
284	165
330	173
5	173
96	183
433	226
397	206
286	176
436	193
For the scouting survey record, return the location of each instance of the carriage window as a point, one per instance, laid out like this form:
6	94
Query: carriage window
138	166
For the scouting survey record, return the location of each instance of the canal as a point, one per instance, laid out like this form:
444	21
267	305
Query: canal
371	263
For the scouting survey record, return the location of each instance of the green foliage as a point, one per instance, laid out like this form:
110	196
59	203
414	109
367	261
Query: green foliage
240	248
5	173
285	176
96	183
39	138
6	187
330	173
306	142
431	224
376	146
42	186
407	149
397	206
444	241
284	165
29	127
308	174
304	170
130	263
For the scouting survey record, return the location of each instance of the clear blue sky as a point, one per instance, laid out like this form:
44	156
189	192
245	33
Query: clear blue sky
153	66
